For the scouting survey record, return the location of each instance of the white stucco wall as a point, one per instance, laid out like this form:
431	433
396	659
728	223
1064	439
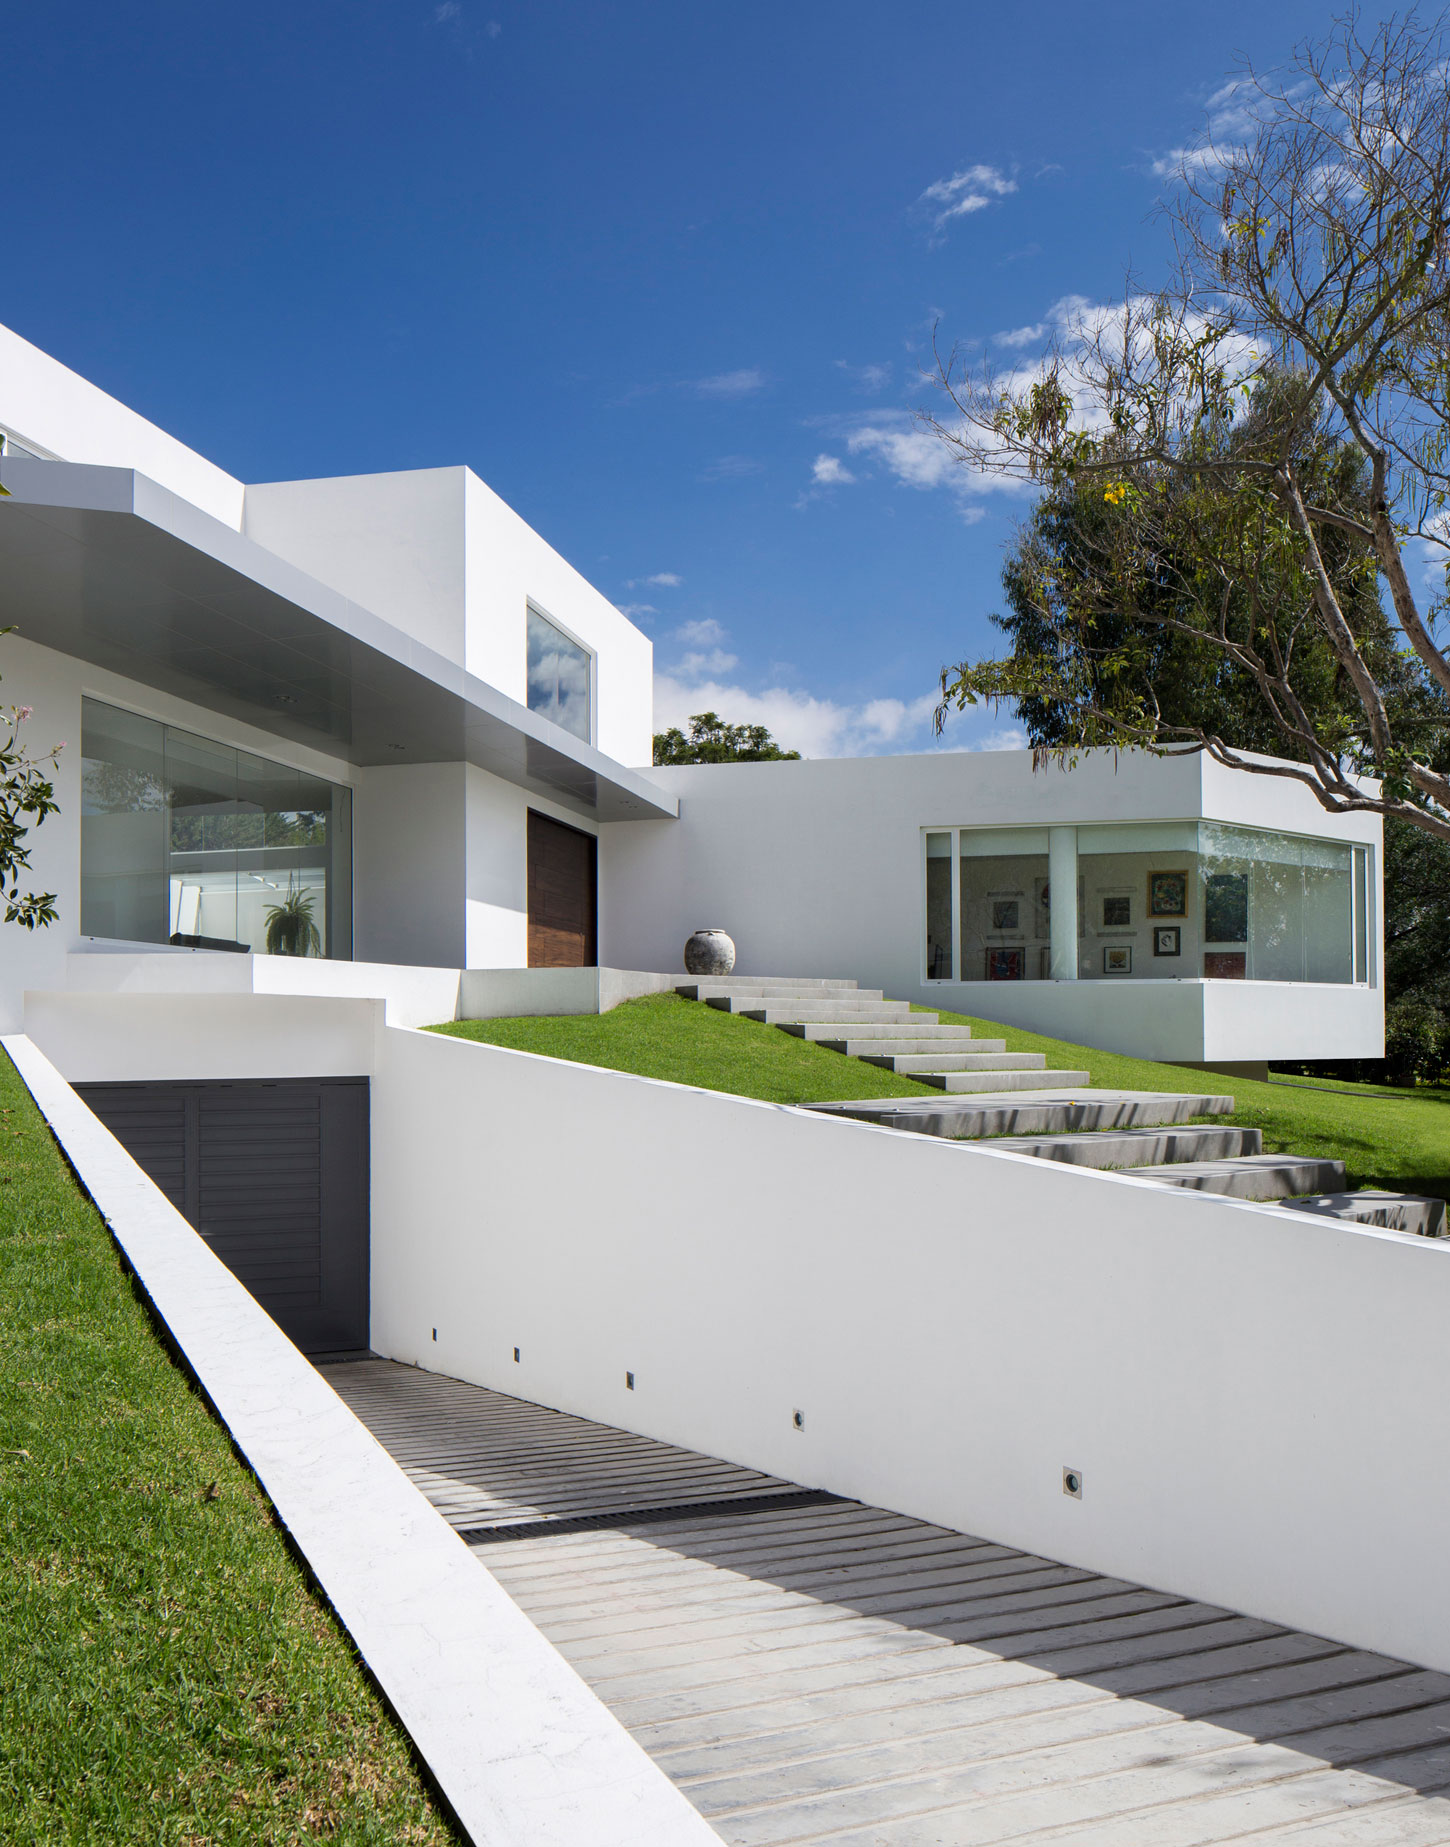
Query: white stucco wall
815	868
392	543
1252	1395
439	554
409	863
45	403
510	565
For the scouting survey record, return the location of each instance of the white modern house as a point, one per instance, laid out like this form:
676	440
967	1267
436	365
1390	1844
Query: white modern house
386	700
379	719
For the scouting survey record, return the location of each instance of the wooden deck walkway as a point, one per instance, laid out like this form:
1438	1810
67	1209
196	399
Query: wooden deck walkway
830	1672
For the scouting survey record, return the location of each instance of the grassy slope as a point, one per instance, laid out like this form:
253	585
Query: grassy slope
1391	1138
166	1675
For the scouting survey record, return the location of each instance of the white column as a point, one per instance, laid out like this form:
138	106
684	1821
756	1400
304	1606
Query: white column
1062	908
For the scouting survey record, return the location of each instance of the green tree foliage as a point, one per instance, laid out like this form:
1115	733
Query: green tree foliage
27	796
711	740
1267	438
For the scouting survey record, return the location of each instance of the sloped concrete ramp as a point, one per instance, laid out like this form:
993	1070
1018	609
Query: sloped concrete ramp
816	1670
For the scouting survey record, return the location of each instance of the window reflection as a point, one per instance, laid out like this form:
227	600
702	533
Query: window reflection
558	676
1156	900
187	841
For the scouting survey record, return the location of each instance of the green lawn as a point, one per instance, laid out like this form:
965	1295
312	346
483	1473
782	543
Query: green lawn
1386	1137
166	1674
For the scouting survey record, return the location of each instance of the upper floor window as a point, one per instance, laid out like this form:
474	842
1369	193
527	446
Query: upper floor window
559	677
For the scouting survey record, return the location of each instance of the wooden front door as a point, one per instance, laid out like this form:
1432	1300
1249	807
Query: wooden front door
562	886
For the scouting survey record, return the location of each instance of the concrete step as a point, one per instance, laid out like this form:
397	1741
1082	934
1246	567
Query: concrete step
786	997
791	1013
762	984
1390	1211
924	1064
919	1026
1047	1111
1255	1176
882	1051
1002	1080
838	1007
1138	1147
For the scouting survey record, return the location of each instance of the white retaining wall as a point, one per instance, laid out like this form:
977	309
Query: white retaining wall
519	1746
1253	1396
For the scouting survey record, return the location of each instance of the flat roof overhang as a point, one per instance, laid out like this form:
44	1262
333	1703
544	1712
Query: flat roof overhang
105	565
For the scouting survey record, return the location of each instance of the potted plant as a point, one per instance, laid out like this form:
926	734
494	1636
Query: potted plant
291	930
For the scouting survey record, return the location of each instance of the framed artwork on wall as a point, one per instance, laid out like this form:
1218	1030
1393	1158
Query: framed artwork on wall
1168	940
1117	911
1006	913
1118	959
1006	964
1225	964
1167	894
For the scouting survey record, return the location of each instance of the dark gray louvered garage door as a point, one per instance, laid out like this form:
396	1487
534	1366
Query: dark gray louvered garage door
274	1175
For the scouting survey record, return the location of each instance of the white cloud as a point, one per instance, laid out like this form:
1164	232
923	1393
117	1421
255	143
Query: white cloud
633	611
701	666
706	634
918	458
493	28
664	580
1233	115
830	471
867	379
738	384
450	9
732	468
820	727
1022	336
968	191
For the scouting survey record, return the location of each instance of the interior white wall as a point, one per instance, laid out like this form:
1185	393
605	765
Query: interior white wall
408	829
509	565
1252	1395
393	543
815	869
56	409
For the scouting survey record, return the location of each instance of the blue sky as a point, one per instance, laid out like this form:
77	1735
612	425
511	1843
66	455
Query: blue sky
663	274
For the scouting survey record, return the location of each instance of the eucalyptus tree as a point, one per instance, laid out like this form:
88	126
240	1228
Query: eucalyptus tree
1257	452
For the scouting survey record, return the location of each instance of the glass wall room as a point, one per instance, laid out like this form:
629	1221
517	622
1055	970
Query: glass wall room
190	842
1154	900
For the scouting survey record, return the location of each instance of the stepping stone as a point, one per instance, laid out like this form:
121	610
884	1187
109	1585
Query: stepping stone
1390	1211
1043	1111
1255	1176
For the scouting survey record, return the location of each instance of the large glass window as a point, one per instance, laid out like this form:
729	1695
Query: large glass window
1155	900
190	842
559	675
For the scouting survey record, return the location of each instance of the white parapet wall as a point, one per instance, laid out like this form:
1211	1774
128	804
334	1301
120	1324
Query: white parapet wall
514	993
1253	1396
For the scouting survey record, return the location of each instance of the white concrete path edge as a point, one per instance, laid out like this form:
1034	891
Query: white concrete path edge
523	1752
